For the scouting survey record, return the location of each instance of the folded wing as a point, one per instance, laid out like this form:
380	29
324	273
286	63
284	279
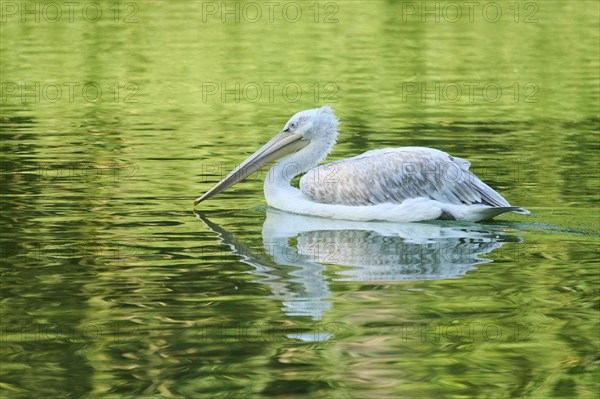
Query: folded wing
393	175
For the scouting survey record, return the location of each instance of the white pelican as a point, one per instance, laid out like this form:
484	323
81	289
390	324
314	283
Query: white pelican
404	184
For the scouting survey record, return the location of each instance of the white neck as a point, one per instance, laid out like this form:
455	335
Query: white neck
277	181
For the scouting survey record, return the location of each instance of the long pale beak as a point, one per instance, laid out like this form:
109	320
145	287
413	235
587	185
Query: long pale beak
282	144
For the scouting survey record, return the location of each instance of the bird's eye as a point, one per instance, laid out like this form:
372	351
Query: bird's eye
293	126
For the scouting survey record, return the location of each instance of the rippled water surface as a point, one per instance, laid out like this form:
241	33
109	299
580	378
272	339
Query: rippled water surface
112	123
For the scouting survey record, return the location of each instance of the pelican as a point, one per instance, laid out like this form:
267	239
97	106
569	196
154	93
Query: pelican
406	184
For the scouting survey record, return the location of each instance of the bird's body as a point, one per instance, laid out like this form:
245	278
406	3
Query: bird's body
396	184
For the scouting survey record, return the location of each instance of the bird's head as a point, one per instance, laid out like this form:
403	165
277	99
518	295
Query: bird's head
314	128
313	124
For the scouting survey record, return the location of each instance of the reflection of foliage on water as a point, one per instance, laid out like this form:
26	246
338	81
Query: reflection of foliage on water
152	305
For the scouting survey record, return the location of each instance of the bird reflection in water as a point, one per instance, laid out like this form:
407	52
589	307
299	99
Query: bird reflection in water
368	252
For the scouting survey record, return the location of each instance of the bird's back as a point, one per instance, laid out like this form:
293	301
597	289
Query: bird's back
392	175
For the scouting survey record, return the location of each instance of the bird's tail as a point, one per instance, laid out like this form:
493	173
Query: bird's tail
490	213
517	209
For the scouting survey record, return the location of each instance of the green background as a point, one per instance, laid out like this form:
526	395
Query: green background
115	116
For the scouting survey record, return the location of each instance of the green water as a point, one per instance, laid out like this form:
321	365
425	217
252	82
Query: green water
115	116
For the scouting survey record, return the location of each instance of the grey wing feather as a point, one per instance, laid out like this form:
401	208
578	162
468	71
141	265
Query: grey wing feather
395	174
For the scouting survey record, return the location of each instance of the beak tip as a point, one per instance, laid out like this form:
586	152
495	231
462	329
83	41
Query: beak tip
200	199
